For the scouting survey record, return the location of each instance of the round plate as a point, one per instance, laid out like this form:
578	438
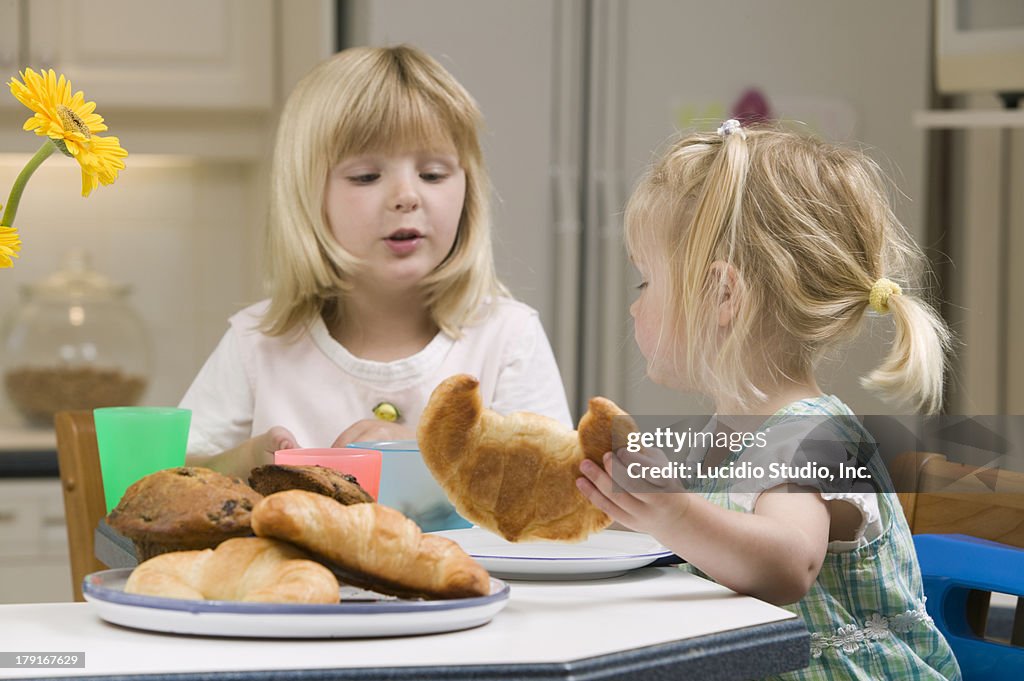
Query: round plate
604	554
361	614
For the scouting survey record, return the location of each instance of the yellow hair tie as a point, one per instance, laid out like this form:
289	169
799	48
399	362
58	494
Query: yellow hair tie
881	291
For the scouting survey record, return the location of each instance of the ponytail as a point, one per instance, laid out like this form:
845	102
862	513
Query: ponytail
914	369
713	234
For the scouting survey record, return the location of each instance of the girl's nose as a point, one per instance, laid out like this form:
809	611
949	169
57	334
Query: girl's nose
406	198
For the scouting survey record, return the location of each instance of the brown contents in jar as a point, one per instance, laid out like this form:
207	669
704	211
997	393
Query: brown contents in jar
40	392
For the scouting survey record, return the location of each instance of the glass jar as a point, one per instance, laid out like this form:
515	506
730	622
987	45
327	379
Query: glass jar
74	343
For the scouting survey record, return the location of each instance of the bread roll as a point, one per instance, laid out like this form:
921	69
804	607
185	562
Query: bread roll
373	546
515	475
243	569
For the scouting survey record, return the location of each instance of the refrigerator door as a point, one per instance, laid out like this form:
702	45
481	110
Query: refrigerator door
525	64
578	95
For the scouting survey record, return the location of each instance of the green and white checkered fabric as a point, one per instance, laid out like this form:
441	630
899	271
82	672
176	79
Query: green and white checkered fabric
866	610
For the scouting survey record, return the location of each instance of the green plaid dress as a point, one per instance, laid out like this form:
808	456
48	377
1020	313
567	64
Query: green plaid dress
865	611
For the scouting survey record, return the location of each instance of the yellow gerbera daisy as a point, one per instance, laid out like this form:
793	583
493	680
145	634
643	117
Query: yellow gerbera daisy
71	123
10	244
59	115
100	162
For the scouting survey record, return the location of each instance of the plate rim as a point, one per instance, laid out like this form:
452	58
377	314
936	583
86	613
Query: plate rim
388	445
586	559
499	592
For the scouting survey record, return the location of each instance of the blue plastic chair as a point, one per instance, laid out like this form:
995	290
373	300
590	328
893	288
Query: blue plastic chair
954	564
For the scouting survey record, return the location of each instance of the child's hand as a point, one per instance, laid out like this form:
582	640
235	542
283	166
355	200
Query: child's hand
774	553
652	506
256	451
264	446
373	429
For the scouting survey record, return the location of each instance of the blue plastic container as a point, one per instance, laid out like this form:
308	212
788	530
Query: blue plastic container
406	484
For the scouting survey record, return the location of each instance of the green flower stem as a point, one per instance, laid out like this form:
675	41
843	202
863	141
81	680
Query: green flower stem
19	184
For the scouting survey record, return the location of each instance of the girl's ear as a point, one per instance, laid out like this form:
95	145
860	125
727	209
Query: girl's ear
727	282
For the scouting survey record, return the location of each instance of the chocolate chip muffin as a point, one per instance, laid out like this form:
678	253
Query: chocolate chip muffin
326	481
181	509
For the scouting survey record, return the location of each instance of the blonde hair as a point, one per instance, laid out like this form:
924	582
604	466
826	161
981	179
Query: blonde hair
808	227
361	100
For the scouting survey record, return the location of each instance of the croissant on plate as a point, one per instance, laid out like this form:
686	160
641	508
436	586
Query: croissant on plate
516	474
371	546
240	569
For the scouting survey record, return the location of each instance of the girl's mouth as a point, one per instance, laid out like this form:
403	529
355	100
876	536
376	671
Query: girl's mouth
403	241
404	235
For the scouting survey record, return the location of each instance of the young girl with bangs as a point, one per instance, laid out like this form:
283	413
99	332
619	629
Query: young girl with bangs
382	277
759	251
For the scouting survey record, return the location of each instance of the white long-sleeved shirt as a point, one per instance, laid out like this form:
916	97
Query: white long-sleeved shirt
315	388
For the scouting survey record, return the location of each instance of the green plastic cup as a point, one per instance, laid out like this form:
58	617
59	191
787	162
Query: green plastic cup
136	441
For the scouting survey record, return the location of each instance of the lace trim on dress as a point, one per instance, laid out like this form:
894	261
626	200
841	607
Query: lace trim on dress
850	637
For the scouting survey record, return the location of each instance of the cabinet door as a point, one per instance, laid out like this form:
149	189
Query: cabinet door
38	580
34	564
10	37
186	54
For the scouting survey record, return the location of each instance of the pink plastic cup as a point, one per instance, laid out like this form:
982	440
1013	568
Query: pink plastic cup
364	464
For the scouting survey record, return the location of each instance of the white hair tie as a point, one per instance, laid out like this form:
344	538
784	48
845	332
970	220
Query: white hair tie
729	127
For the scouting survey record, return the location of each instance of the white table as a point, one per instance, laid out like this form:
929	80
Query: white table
651	623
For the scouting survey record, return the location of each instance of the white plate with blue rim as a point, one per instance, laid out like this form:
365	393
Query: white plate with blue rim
604	554
359	614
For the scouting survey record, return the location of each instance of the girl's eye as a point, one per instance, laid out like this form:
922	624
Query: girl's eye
641	286
364	178
433	176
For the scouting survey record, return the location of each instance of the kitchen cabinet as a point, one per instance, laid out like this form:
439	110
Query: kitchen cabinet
10	35
195	175
131	54
34	564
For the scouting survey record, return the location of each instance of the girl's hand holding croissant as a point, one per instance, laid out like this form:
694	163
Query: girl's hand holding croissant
642	503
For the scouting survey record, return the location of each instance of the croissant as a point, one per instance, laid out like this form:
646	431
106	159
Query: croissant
515	475
372	546
240	569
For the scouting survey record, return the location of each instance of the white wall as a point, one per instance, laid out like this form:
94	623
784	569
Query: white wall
182	233
870	57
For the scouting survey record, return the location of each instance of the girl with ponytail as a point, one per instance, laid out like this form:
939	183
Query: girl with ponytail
760	250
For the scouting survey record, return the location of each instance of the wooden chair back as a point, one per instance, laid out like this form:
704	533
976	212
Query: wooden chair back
82	483
943	497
